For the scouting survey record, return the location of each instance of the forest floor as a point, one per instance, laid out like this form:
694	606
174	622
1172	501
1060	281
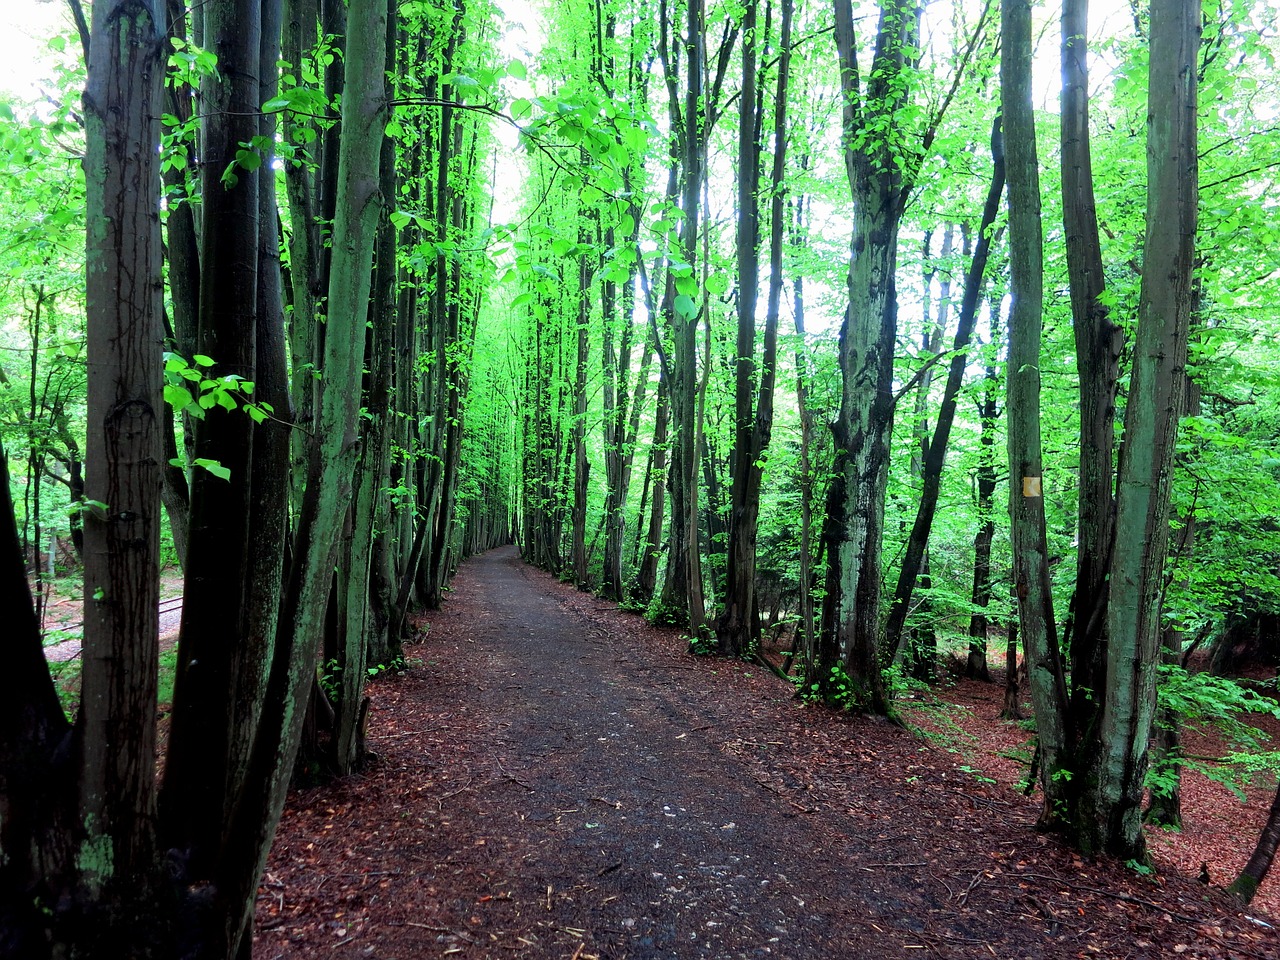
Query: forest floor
556	778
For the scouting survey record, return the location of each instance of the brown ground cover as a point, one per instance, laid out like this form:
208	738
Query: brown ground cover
556	778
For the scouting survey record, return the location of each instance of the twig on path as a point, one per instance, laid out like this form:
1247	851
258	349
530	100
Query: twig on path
963	898
373	873
453	793
616	804
768	786
951	894
514	779
427	926
609	869
401	735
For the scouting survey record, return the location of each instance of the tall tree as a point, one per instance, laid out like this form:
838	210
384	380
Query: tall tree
1022	402
78	807
1098	345
116	748
218	668
738	628
848	662
1111	816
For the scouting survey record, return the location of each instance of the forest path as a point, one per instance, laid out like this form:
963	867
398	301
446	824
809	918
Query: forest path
559	779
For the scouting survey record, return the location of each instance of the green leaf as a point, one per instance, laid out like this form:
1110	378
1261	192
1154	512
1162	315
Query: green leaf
202	361
517	69
177	397
686	307
87	506
214	467
249	159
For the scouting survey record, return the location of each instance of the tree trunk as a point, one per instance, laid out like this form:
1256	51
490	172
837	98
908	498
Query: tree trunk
212	651
805	646
182	253
642	590
849	649
1013	673
1246	885
737	629
1022	405
117	746
301	179
269	492
976	663
682	593
615	361
581	465
77	807
329	484
1098	345
1110	815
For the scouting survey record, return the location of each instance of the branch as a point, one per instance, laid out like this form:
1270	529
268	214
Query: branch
82	25
1238	176
915	377
932	130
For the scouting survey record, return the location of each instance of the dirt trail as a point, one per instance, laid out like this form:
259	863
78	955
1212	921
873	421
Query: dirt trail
559	780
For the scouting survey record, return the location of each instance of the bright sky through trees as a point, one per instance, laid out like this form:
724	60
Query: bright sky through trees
25	28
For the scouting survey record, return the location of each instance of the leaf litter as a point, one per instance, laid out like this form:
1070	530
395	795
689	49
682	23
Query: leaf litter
556	778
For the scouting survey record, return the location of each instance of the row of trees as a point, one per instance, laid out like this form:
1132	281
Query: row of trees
678	263
278	352
314	336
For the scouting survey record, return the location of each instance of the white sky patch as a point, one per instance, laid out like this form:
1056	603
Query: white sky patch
521	39
25	29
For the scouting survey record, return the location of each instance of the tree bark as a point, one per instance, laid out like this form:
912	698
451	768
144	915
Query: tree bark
1110	815
306	595
1099	341
976	662
212	649
1022	405
578	430
738	627
642	590
849	648
116	856
1255	871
